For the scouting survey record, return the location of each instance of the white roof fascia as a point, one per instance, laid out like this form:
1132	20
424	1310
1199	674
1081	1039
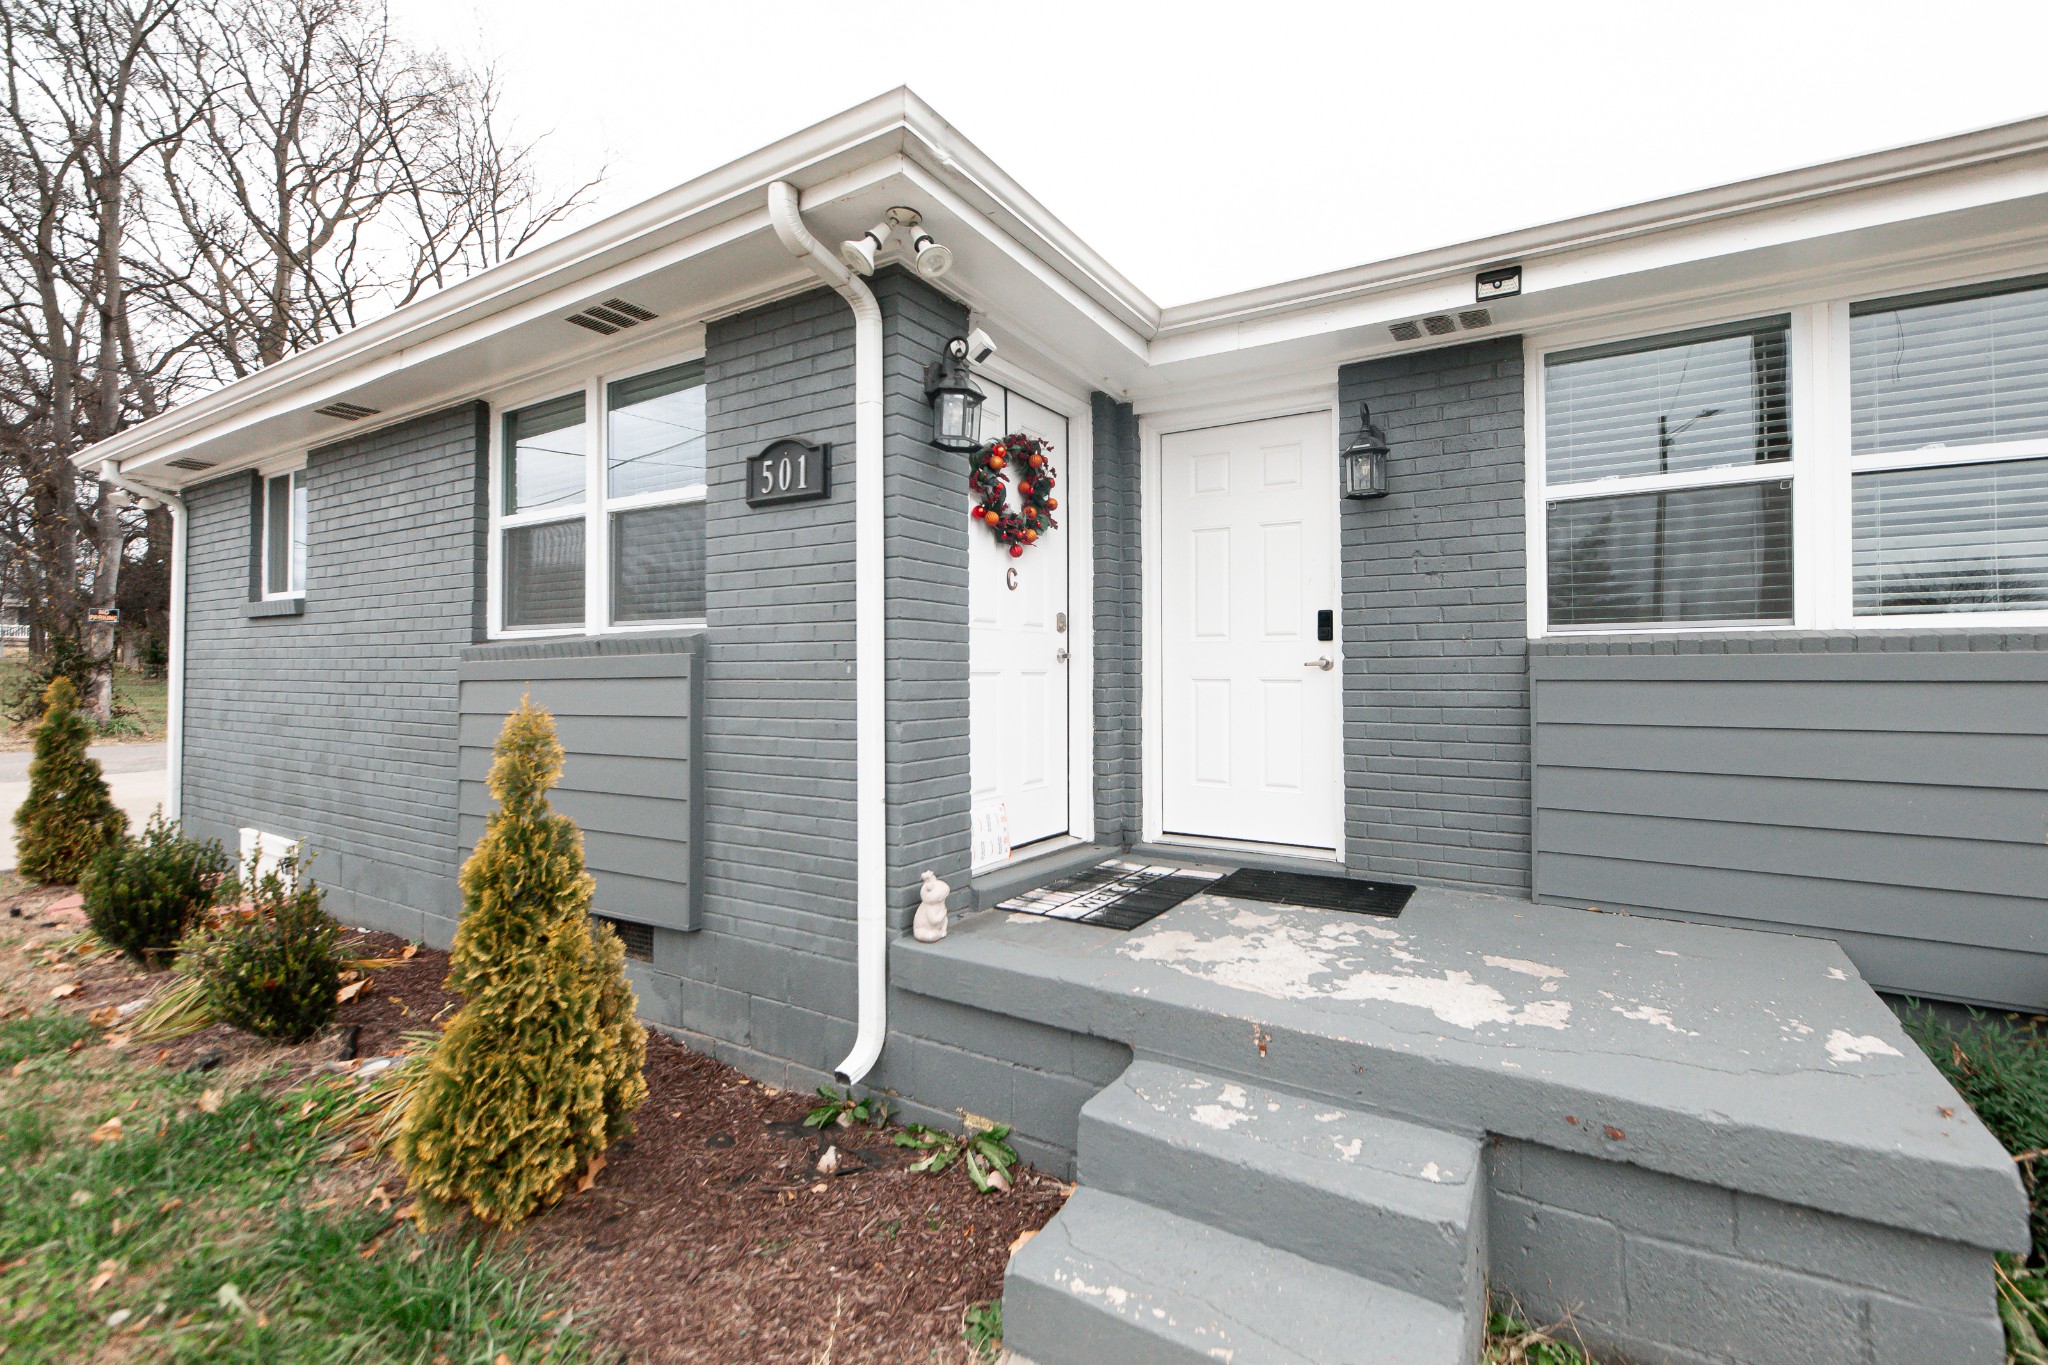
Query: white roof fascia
1617	226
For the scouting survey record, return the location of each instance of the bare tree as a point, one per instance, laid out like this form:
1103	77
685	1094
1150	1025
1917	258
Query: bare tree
191	190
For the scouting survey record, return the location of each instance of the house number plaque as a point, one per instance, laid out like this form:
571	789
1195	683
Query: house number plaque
789	470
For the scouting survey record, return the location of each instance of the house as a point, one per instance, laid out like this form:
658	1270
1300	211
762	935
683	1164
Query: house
1707	589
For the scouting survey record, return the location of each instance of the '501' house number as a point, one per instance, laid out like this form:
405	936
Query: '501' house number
789	470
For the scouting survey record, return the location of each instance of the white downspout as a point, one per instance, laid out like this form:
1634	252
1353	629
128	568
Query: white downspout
174	709
870	811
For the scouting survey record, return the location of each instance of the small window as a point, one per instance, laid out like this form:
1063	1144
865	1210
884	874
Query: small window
284	535
1949	421
1667	499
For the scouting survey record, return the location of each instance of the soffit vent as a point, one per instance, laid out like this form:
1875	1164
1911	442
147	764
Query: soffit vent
1440	324
637	939
613	315
348	412
187	462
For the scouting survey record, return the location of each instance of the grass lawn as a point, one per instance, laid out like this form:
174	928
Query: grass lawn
147	698
151	1216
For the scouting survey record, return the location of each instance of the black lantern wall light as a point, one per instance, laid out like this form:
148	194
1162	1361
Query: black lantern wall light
955	398
1364	461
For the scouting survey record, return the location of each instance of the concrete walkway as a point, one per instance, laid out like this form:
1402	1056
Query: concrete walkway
135	773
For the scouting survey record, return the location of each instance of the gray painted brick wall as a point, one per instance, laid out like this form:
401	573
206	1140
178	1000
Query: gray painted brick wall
1648	1266
339	725
1436	739
925	567
1118	624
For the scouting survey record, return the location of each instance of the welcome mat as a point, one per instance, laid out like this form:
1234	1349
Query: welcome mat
1385	899
1114	894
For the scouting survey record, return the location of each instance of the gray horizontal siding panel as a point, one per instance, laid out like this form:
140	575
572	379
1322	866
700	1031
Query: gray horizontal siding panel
1891	792
1939	760
1911	812
1993	708
631	778
2007	924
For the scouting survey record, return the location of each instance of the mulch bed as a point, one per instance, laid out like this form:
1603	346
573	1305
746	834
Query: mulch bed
710	1236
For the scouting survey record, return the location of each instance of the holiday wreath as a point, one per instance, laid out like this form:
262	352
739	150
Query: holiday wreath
990	484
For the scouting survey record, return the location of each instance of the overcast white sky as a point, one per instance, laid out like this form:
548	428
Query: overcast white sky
1203	148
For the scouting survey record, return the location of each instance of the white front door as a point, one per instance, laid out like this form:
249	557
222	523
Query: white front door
1250	694
1017	645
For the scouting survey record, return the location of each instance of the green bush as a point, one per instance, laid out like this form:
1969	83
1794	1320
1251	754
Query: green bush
541	1068
274	968
68	815
143	895
2001	1067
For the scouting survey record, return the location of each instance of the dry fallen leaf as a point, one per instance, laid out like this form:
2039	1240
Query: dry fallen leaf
350	991
411	1210
67	990
210	1099
110	1131
589	1176
818	1188
107	1271
1022	1238
103	1016
80	1198
829	1162
410	950
502	1359
171	1205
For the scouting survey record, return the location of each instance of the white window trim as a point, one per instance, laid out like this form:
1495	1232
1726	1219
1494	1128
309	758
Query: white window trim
295	471
594	509
1820	470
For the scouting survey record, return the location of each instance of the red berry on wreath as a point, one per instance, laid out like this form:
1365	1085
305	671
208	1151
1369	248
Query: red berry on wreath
1016	550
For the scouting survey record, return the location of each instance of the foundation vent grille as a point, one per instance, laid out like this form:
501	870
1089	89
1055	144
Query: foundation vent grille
613	315
637	938
348	412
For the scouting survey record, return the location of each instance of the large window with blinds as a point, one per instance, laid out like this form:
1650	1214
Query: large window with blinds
599	514
1949	451
1847	464
1668	492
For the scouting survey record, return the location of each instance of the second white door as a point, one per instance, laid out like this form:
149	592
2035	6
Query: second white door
1250	694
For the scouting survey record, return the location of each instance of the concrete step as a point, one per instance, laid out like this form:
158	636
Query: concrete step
1380	1199
1111	1279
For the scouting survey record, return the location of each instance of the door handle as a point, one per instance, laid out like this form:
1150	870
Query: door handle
1061	657
1323	663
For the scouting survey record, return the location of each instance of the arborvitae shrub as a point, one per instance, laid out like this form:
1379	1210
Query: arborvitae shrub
69	815
540	1069
142	895
274	967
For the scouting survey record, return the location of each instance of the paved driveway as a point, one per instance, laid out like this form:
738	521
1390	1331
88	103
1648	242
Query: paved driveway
135	773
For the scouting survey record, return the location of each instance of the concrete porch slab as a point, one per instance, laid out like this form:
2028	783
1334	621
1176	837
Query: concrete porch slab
1751	1061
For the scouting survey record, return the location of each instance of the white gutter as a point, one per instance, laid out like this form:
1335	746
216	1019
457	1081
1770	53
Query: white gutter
870	907
174	711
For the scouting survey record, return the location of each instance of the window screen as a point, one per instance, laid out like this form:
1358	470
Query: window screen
658	563
1696	554
1699	400
1971	537
545	455
1949	370
654	438
544	574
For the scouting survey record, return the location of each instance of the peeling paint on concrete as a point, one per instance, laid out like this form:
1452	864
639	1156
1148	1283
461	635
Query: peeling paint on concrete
1290	960
1653	1014
1844	1046
1524	966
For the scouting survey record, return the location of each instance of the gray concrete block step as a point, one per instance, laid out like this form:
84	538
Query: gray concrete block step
1111	1279
1385	1200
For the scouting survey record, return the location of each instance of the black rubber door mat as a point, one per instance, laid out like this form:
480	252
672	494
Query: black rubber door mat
1115	894
1385	899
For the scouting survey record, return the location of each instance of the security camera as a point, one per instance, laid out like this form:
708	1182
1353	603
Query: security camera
980	346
